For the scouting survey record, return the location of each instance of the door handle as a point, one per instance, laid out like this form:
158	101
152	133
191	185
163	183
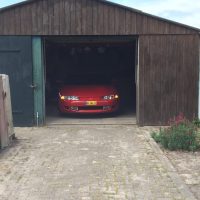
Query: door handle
33	86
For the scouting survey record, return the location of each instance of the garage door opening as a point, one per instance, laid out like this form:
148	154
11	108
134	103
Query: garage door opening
91	60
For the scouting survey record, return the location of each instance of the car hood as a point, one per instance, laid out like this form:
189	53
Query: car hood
87	91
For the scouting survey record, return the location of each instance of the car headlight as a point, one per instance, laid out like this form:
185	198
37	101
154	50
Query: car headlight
72	98
111	97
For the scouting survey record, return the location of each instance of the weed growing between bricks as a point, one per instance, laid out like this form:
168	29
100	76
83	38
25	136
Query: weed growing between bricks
180	135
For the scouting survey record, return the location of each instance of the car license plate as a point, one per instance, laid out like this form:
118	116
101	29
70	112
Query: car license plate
91	103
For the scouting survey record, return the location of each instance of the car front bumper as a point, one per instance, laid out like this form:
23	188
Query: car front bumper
101	106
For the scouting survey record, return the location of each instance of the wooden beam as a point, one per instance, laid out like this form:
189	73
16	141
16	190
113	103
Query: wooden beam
4	140
38	81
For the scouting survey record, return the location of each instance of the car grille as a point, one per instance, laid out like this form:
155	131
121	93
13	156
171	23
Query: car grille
90	108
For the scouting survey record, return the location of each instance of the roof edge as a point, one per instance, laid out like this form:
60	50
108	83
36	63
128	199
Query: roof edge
114	4
151	15
16	5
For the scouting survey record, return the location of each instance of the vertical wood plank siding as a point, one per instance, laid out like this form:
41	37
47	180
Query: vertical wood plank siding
81	17
168	77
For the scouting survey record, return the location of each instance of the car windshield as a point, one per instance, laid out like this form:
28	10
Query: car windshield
85	80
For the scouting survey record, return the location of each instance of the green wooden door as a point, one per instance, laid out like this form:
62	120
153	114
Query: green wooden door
16	61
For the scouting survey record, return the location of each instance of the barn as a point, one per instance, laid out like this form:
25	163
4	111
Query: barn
154	61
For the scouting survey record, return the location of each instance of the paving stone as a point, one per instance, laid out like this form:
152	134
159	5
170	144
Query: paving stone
187	165
85	163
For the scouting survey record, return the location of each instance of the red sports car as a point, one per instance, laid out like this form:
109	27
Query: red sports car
88	99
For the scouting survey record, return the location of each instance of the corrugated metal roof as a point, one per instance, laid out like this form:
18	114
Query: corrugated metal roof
113	4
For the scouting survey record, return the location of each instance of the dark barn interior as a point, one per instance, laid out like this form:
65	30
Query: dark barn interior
91	61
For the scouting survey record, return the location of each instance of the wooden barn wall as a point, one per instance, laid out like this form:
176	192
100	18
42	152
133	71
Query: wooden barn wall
81	17
168	77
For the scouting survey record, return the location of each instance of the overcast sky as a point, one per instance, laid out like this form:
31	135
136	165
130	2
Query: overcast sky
183	11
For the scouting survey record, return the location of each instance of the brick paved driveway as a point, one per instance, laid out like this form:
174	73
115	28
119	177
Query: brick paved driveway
86	163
